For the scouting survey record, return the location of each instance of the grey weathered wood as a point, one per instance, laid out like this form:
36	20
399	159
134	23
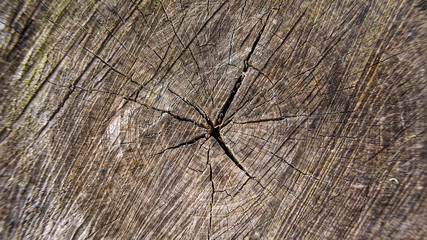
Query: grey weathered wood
213	119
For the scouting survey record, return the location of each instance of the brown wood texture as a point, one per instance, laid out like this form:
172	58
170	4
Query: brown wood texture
149	119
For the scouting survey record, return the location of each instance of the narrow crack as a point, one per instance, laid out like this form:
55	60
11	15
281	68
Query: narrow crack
294	167
246	66
198	110
229	100
215	133
168	69
239	80
189	142
261	72
266	119
212	194
176	35
176	116
216	127
130	99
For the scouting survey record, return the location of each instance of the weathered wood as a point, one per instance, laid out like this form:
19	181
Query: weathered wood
211	119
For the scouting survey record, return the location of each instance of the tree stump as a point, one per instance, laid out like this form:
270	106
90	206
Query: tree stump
208	119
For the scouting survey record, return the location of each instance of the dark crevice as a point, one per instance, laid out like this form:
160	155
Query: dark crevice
96	55
195	107
215	128
196	170
215	133
267	119
212	195
246	66
130	99
239	80
229	100
260	71
177	117
189	142
225	192
244	184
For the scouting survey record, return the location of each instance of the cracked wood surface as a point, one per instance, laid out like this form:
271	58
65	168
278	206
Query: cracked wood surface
149	119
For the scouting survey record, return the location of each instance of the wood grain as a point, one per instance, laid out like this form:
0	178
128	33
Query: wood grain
149	119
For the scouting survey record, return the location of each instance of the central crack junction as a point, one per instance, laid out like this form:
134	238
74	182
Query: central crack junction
214	127
223	117
214	132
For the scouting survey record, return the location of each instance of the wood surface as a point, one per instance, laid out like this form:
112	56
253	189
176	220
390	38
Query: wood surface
149	119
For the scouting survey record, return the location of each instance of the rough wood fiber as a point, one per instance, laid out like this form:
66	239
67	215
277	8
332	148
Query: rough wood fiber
213	119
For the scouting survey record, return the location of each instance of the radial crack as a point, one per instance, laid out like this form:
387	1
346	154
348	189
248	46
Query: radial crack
239	80
266	119
217	135
179	39
212	194
260	71
165	111
229	100
189	142
246	66
198	110
293	167
188	44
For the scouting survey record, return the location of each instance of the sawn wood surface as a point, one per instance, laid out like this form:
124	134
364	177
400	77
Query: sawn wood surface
149	119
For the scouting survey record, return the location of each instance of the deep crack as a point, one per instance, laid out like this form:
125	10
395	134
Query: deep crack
216	134
214	130
189	142
239	80
212	194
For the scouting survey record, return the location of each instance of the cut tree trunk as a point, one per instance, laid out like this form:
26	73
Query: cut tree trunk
149	119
